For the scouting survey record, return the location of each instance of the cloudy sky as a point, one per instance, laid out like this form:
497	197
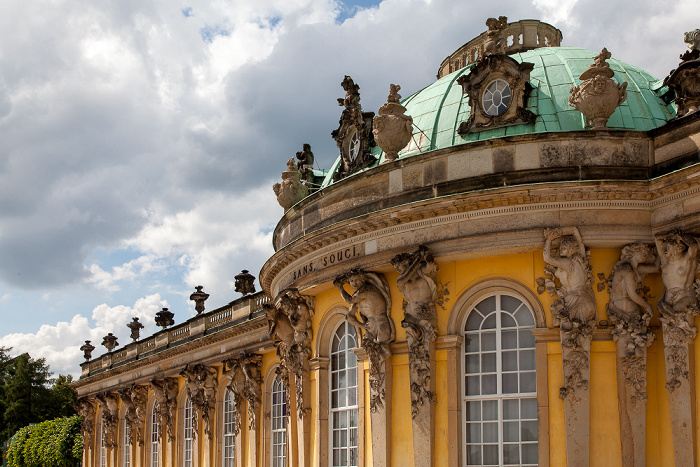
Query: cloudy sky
139	139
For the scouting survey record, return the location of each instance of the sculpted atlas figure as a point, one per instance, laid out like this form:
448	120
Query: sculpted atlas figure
678	253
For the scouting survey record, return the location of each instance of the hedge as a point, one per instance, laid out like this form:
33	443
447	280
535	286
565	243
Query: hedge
53	443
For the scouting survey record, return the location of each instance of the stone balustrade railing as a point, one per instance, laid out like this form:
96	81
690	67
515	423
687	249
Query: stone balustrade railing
206	323
519	36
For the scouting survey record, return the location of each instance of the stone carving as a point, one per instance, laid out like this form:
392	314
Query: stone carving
86	408
164	318
679	304
249	365
291	190
495	43
692	38
165	392
199	297
305	164
354	135
245	283
575	309
289	322
372	300
135	398
497	87
685	80
201	381
392	128
417	283
87	349
630	313
135	326
598	95
110	341
109	403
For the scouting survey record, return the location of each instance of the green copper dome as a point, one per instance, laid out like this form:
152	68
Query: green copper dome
439	108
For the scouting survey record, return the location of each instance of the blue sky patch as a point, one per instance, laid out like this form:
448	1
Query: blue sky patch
350	8
188	12
209	33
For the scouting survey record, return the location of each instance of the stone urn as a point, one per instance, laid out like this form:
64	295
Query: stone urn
392	128
291	190
598	95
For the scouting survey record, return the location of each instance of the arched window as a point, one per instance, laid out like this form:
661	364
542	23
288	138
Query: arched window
500	393
343	397
229	452
155	445
127	444
188	444
278	420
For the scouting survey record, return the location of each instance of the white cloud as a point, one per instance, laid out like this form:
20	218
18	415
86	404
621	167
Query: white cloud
60	344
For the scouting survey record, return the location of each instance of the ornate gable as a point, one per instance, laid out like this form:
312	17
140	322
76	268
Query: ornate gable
497	86
354	135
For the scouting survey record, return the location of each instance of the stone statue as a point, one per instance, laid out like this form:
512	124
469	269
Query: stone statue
684	81
109	403
289	322
291	190
598	95
201	382
678	253
199	297
495	43
245	282
86	408
135	326
249	366
392	128
372	300
417	283
165	392
692	38
110	341
305	164
87	349
573	270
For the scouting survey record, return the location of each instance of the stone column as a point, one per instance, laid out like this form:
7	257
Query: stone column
380	401
570	278
678	252
417	283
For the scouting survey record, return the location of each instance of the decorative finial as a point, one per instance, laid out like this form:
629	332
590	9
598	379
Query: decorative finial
598	95
692	38
110	341
135	327
392	128
291	190
245	283
199	298
164	318
87	349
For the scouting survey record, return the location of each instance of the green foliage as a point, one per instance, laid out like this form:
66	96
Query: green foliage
53	443
28	394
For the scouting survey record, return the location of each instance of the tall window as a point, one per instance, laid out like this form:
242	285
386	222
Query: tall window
278	457
155	446
103	446
188	445
127	444
229	452
500	394
343	407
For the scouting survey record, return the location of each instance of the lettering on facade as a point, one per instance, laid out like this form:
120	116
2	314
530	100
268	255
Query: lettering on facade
338	256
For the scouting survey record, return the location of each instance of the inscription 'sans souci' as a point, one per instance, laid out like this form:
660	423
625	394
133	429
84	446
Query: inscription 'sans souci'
330	259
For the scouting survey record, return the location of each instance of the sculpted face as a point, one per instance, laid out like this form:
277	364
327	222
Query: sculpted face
568	246
674	247
356	281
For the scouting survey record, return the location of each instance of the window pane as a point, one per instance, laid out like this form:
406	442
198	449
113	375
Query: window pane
529	454
528	382
529	408
527	340
524	317
488	362
487	306
528	431
488	341
474	321
489	322
511	432
491	454
507	321
472	341
474	455
490	410
510	409
473	411
488	384
510	383
509	361
509	339
527	359
473	364
509	303
511	454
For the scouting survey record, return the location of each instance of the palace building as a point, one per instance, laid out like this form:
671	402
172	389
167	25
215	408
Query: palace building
499	269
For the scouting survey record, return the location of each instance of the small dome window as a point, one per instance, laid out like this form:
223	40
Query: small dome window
496	97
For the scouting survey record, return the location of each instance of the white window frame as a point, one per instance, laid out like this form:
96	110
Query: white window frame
278	424
499	396
348	409
155	442
188	435
103	446
228	446
127	444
